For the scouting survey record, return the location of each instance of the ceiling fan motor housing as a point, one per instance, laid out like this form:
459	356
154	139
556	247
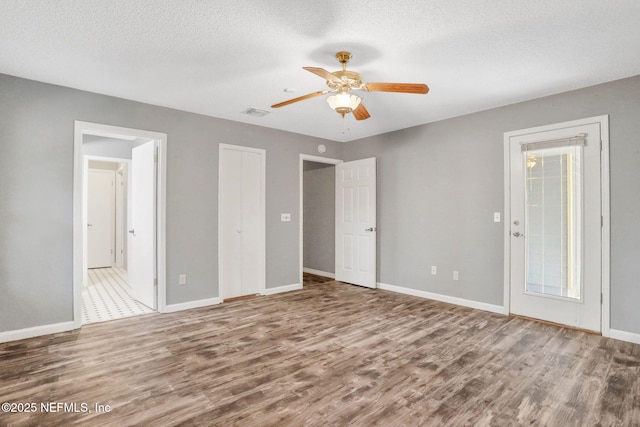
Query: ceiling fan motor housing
349	80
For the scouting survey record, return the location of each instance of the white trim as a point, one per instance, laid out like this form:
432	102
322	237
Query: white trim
624	336
263	214
444	298
603	121
172	308
280	289
78	221
605	312
161	218
506	218
308	158
319	273
36	331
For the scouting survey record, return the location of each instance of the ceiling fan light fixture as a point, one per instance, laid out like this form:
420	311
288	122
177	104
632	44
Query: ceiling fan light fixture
343	102
341	82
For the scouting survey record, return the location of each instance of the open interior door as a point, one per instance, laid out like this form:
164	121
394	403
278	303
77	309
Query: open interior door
356	222
142	235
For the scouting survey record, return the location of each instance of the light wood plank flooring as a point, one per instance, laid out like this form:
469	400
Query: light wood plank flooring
327	355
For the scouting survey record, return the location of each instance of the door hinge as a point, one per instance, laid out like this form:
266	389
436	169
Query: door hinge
155	282
601	299
601	220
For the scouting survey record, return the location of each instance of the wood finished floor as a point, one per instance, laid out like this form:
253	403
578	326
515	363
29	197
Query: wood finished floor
328	355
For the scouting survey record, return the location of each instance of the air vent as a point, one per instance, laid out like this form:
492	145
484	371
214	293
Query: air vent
256	112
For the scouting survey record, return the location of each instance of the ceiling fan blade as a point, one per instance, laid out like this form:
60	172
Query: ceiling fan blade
323	73
398	87
361	112
300	98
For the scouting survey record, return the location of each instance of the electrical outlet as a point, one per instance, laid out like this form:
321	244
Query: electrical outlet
456	275
434	269
182	279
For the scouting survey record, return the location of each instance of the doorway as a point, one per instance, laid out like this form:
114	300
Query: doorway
101	214
355	227
556	201
111	183
317	220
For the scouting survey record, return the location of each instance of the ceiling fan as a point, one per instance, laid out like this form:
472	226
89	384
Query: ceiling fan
343	81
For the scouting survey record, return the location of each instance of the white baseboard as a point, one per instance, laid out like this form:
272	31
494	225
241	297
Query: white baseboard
444	298
171	308
318	272
280	289
36	331
624	336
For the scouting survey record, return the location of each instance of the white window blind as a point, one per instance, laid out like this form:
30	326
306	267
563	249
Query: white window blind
578	140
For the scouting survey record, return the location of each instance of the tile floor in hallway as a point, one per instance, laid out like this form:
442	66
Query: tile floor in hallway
107	296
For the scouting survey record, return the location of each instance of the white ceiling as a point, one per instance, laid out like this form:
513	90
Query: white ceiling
221	57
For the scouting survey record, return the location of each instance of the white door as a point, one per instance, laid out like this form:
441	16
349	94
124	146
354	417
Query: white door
100	218
555	229
356	222
142	236
241	221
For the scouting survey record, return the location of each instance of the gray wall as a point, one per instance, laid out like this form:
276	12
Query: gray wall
439	184
36	195
106	147
319	216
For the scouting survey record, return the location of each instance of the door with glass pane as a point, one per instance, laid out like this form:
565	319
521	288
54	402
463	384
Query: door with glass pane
555	223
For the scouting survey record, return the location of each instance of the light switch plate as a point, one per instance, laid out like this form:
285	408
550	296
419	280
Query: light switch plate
285	217
496	217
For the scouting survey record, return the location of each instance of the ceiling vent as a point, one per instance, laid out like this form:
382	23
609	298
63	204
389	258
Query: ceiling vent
256	112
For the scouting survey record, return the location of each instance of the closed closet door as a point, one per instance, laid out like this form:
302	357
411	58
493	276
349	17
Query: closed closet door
241	247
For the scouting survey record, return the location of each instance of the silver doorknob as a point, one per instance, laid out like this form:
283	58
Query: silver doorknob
517	234
132	232
370	229
89	225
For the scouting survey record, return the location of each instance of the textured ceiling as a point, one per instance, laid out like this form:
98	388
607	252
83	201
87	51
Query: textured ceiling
221	57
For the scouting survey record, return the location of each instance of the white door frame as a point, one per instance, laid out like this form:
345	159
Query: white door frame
121	231
307	158
262	214
79	246
603	121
